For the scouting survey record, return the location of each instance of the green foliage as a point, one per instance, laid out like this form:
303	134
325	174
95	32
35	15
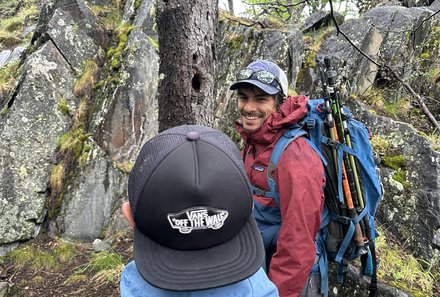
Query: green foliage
394	162
11	27
63	107
397	163
153	42
72	143
64	251
235	41
108	15
402	270
84	85
380	144
124	167
33	258
400	176
115	54
106	267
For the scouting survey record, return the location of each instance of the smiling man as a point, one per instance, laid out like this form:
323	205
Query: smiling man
288	227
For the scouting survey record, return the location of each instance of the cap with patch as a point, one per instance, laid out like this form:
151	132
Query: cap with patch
192	206
280	84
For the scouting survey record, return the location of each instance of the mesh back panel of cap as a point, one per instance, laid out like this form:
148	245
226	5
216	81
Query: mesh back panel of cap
157	148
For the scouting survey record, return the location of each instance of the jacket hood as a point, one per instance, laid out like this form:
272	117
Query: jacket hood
293	109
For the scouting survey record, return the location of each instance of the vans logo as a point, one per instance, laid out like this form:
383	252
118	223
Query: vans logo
198	218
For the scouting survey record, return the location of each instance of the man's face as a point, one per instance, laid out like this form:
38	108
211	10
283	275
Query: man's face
254	106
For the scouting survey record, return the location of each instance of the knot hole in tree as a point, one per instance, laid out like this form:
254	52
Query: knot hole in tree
195	82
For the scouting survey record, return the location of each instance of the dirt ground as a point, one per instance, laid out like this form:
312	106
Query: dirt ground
71	277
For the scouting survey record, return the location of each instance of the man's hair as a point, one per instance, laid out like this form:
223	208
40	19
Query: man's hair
279	98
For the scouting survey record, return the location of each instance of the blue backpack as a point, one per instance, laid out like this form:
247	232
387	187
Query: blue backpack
335	239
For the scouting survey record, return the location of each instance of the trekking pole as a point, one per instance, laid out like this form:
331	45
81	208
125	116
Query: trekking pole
336	232
347	170
356	188
329	121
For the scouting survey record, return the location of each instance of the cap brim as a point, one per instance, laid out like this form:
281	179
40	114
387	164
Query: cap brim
267	88
185	270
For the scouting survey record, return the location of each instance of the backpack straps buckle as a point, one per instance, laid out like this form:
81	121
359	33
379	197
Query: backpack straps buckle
260	192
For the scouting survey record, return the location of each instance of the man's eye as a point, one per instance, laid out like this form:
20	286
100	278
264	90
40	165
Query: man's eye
261	99
242	98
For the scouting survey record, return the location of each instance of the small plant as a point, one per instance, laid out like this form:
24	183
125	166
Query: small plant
380	144
63	107
402	270
56	178
72	142
84	85
400	176
64	251
124	167
106	267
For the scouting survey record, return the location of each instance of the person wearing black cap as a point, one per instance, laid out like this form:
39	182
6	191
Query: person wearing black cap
190	205
288	229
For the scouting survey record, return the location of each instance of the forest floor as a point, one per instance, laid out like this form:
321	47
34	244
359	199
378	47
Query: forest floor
47	266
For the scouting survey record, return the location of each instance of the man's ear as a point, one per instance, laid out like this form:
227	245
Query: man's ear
126	211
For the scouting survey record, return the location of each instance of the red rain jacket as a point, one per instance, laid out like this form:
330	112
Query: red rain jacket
300	180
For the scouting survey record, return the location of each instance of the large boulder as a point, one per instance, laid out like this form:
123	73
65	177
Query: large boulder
29	134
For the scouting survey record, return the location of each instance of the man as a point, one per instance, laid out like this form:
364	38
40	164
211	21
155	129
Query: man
190	205
288	229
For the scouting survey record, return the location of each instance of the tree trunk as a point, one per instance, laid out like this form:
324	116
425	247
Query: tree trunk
187	34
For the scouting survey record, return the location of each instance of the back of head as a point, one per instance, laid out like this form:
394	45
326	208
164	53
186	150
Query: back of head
192	205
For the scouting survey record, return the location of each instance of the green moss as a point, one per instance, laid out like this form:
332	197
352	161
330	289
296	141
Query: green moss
124	167
115	54
64	251
402	270
400	176
424	56
399	108
4	111
235	42
72	143
310	60
394	162
10	28
380	144
84	85
8	73
137	4
63	107
32	258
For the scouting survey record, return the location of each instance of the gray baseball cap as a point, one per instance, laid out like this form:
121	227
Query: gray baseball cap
263	74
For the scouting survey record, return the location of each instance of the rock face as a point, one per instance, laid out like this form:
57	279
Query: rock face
122	112
29	134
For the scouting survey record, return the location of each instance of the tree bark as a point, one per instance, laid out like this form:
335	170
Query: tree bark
187	35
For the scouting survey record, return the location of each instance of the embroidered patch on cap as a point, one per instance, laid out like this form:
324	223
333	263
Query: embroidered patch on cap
258	66
198	218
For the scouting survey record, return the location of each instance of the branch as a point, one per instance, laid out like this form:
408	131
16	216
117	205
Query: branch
407	87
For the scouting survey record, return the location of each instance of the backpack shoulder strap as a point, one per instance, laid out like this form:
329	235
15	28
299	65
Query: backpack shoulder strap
288	136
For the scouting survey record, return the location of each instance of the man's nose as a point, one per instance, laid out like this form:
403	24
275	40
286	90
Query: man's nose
250	105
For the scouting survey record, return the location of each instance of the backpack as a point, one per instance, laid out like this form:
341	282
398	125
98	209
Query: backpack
335	239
